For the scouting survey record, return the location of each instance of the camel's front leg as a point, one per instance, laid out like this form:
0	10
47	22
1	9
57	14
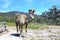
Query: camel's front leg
17	27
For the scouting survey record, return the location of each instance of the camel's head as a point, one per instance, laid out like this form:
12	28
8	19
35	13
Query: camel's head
31	12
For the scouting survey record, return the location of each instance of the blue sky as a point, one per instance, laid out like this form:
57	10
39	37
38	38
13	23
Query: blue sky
23	5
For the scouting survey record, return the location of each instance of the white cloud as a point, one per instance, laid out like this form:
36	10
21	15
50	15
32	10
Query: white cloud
6	3
3	11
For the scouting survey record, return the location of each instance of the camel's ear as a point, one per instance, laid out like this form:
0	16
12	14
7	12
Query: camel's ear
33	10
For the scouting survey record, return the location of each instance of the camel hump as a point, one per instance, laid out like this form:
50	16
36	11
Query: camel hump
23	16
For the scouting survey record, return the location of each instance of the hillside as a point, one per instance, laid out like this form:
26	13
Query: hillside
13	13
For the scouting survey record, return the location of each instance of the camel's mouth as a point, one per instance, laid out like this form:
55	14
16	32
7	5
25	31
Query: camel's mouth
32	16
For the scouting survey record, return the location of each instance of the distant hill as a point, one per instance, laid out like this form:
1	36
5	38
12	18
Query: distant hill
12	14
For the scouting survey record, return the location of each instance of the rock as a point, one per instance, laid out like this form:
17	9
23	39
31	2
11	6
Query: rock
2	28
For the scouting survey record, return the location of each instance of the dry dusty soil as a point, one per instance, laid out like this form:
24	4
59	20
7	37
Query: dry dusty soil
45	34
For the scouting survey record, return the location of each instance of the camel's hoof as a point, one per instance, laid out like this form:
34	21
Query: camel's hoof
19	36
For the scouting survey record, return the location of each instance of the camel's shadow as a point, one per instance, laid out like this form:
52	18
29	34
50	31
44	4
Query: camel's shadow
17	35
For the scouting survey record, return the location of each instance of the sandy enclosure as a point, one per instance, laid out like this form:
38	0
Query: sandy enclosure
45	34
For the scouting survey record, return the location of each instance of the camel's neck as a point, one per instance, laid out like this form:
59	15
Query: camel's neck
30	18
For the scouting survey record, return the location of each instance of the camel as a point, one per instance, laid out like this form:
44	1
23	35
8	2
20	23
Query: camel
22	19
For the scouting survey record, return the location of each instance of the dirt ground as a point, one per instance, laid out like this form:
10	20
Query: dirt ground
53	33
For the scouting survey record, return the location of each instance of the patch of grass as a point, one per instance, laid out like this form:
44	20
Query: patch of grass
43	26
31	25
37	26
11	24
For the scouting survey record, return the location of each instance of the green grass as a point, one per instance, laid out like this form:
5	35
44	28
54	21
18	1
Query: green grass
37	26
32	25
11	24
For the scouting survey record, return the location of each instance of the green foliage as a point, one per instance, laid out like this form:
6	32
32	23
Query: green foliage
51	15
7	19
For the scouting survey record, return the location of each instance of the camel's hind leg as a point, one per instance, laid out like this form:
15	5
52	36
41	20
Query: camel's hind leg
26	28
21	29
